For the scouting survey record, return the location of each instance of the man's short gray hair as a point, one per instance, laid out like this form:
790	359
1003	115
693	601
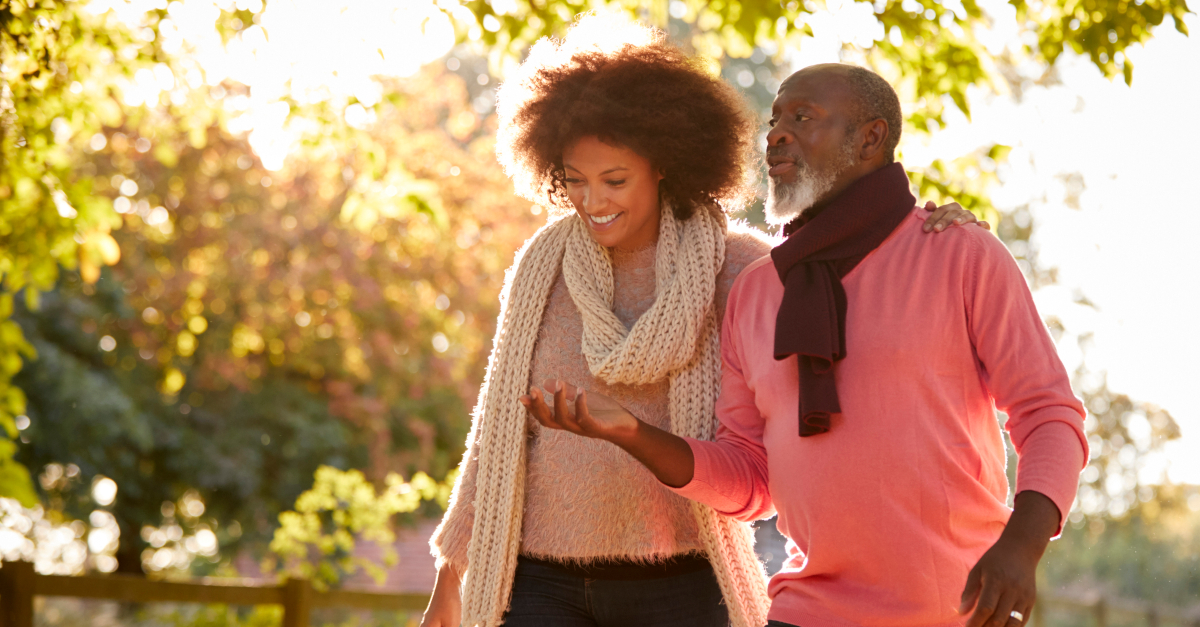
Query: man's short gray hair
875	99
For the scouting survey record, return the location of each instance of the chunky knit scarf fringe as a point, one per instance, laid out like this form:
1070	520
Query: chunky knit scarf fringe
677	338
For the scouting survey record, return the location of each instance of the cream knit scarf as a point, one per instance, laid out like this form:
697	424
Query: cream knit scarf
677	338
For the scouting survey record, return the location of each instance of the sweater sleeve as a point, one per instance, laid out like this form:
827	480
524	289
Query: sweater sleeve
450	541
1049	463
731	472
1024	375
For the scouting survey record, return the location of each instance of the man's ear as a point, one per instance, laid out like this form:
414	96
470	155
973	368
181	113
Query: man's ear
872	136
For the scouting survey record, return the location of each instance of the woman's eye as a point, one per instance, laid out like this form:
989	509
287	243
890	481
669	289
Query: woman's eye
617	183
772	122
573	181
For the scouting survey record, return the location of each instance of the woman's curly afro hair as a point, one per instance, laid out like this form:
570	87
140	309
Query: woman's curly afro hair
639	92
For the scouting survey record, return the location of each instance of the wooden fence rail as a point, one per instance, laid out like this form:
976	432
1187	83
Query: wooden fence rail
19	584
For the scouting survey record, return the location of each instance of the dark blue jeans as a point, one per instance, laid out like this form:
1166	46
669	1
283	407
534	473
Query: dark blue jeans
544	596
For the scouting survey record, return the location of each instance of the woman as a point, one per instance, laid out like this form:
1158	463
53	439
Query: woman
622	298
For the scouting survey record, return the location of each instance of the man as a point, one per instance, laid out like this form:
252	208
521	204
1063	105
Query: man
861	368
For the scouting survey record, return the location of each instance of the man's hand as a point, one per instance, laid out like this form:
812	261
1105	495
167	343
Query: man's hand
947	215
604	418
1005	579
666	455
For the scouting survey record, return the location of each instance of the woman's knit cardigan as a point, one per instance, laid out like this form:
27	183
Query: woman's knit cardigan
676	339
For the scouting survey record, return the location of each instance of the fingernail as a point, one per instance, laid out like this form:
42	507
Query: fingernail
939	227
558	386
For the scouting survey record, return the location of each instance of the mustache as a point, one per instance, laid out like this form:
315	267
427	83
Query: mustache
781	151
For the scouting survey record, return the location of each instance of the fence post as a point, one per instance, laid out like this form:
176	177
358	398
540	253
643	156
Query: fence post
16	594
1100	611
297	603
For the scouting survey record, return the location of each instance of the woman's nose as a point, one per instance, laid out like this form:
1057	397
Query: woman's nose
593	199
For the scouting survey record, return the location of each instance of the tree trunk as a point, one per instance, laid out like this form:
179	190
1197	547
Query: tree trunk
129	550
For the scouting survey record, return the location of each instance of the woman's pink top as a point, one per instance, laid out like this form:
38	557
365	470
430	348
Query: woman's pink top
586	499
888	511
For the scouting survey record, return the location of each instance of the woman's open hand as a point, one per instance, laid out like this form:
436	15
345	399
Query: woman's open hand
593	415
568	408
950	215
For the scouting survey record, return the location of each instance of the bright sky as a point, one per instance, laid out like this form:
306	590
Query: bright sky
1128	247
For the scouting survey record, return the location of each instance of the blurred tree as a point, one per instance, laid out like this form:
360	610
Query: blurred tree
368	269
261	323
46	49
317	540
1151	552
69	70
933	52
1124	436
246	455
932	45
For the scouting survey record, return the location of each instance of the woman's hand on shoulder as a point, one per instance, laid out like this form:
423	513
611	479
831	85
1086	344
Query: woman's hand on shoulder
568	408
950	215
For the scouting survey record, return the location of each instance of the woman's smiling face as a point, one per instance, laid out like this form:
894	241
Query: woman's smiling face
615	191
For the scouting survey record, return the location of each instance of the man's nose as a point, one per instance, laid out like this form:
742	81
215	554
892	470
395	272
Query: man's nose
779	136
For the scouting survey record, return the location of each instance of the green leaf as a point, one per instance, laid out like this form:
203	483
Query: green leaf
15	482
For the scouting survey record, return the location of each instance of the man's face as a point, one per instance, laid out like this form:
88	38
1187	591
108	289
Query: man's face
809	148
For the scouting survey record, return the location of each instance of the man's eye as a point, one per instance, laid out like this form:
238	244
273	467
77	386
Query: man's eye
772	122
800	117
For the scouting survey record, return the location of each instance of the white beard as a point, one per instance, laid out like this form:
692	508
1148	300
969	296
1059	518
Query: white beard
786	202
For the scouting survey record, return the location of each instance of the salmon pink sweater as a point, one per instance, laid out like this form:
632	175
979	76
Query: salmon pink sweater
888	511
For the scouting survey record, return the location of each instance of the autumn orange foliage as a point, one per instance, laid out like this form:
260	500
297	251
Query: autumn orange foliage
371	272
